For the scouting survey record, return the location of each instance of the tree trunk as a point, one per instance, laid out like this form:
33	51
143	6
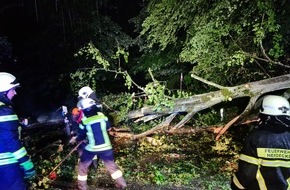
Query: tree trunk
197	103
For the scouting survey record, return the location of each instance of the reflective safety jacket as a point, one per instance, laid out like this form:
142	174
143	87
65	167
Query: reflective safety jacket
11	148
95	128
265	161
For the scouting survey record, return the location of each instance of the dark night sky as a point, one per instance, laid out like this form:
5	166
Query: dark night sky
34	69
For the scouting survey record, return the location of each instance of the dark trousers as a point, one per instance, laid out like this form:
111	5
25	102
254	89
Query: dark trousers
12	177
109	161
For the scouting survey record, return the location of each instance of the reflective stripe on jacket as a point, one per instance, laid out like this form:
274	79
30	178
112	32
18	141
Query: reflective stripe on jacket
7	158
8	118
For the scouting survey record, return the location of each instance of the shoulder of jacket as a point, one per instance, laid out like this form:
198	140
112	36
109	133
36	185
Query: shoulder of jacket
6	108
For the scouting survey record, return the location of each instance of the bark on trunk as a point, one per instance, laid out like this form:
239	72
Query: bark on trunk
197	103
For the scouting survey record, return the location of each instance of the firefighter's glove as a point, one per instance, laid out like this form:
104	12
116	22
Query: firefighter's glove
28	169
73	140
66	121
73	134
24	122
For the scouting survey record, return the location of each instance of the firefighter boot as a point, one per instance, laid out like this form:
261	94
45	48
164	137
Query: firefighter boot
120	183
82	185
96	162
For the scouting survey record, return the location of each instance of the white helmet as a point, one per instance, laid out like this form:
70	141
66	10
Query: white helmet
7	81
275	105
85	91
85	103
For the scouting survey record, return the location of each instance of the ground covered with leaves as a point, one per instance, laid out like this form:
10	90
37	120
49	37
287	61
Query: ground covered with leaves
187	161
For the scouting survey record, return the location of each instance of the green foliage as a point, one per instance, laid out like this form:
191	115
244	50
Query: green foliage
83	78
44	165
156	95
164	68
91	52
158	178
88	75
128	81
219	38
168	28
188	160
213	182
181	160
107	43
212	117
183	94
277	50
225	146
120	104
141	127
121	52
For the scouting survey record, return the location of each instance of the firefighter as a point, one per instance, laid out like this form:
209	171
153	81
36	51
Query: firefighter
15	164
75	121
76	117
87	92
264	162
76	113
94	127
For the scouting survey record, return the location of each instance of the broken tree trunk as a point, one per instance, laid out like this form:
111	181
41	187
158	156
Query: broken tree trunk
196	103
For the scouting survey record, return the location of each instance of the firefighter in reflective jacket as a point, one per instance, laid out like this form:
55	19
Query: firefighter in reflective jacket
87	92
15	165
264	162
94	126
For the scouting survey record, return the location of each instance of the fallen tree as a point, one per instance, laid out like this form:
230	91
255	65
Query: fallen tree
194	104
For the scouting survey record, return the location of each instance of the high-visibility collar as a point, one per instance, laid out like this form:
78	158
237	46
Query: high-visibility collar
94	119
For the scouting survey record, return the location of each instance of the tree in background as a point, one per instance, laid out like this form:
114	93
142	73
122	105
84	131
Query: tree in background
227	42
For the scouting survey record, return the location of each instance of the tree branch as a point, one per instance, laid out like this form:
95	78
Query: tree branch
197	103
266	60
165	123
207	82
184	120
